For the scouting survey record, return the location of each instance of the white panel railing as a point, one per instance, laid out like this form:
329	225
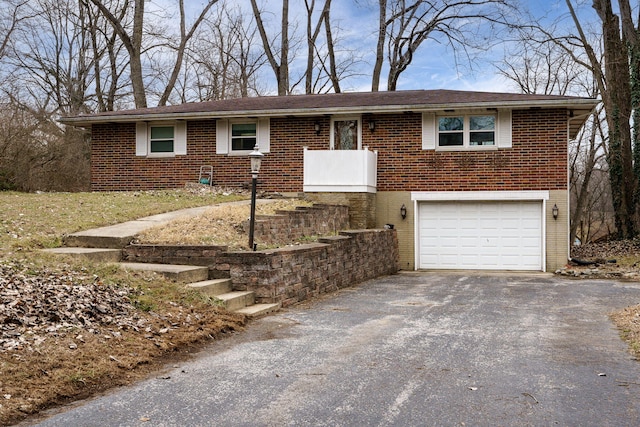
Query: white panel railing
347	171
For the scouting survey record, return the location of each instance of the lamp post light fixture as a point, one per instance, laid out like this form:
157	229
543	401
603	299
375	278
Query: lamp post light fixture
256	160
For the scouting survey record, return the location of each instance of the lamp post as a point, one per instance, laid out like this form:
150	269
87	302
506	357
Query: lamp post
256	159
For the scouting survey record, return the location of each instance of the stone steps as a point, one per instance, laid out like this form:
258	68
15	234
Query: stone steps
195	277
259	309
92	254
212	287
105	244
237	301
178	273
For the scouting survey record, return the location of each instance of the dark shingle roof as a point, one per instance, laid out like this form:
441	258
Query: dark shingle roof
351	102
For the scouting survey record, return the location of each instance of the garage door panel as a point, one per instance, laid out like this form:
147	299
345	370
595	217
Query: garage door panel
480	235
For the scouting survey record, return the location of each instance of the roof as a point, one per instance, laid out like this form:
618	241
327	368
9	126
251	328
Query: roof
342	103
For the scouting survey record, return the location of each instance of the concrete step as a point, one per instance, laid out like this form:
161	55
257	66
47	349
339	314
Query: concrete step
93	254
89	240
259	309
236	300
213	287
179	273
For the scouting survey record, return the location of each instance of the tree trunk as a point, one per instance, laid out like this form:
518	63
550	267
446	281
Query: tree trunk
180	50
617	102
133	44
280	69
382	36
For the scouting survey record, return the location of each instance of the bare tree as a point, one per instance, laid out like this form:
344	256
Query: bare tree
12	14
313	49
279	61
403	25
51	75
132	38
543	67
185	36
109	62
132	41
614	82
382	37
226	58
587	156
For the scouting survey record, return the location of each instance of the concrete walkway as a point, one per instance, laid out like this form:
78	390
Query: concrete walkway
104	243
412	349
125	231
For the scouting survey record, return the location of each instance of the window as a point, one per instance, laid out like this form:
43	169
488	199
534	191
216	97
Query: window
161	139
346	133
466	131
243	136
240	136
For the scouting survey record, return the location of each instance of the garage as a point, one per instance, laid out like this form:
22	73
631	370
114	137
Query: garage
484	235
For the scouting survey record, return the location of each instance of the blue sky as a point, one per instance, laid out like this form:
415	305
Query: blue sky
434	66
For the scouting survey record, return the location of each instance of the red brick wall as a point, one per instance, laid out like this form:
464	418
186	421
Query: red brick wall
538	159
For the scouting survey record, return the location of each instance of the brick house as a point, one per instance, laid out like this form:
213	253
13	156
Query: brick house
470	180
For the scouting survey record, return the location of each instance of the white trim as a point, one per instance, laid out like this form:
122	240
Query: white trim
180	138
544	234
582	104
143	138
466	131
222	136
426	196
339	189
142	144
224	129
263	134
338	118
429	131
172	124
504	134
434	196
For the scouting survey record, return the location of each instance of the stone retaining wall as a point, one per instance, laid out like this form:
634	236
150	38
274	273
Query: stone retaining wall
297	273
202	255
290	225
172	254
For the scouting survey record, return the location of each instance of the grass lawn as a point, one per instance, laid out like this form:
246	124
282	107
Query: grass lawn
134	323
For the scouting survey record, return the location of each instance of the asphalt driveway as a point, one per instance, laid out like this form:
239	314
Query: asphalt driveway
411	349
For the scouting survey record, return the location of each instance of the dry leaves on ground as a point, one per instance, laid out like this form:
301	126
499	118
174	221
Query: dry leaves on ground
66	335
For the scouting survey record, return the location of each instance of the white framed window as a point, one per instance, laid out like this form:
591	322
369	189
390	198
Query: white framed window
346	133
161	139
243	135
466	131
240	136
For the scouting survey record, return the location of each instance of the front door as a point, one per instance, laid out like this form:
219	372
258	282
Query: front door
345	134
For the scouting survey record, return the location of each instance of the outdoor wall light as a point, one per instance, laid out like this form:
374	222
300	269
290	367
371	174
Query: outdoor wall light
554	211
316	127
403	211
372	125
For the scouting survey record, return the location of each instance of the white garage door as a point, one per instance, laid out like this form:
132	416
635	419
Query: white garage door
480	235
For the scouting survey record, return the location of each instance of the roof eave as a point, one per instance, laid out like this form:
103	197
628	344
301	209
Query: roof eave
585	104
